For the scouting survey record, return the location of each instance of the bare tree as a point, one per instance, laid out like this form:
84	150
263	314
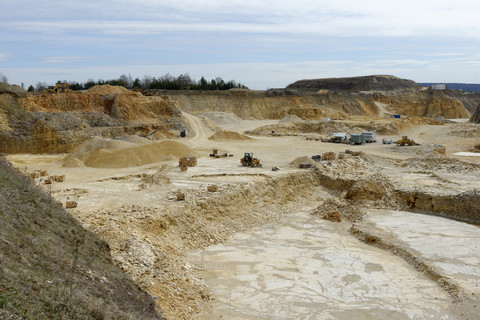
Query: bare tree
147	80
3	78
41	86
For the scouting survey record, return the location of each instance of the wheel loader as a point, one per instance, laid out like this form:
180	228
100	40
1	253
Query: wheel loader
249	161
405	141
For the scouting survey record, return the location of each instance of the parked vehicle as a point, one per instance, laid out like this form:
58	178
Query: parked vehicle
339	137
357	139
370	137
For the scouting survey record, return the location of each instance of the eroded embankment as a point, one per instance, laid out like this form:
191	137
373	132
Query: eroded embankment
376	188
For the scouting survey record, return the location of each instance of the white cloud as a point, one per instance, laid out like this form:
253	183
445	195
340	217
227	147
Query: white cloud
62	59
299	39
332	18
4	56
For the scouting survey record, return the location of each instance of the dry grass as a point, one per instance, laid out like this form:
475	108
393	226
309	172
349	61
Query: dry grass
52	268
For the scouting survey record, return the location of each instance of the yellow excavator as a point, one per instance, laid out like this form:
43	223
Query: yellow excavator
249	161
60	87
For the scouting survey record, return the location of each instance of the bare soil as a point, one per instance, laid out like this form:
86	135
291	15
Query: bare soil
152	235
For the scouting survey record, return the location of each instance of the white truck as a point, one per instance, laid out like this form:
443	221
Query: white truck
370	137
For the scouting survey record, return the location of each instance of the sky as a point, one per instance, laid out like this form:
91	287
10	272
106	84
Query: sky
261	44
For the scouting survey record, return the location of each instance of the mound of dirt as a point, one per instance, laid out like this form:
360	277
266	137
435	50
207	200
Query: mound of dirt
222	117
228	135
108	89
371	189
466	130
134	139
92	145
334	209
365	83
138	155
73	163
290	118
12	89
443	164
303	161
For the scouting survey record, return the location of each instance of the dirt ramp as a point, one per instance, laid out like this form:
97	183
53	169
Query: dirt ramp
138	155
228	135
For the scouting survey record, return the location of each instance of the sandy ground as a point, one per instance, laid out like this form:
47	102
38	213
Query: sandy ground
296	266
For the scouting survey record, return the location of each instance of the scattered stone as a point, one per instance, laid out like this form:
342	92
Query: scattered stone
212	188
332	216
328	156
180	196
70	204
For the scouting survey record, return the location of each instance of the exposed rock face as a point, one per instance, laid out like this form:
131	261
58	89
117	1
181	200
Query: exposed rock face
475	118
268	105
424	104
355	84
263	105
49	123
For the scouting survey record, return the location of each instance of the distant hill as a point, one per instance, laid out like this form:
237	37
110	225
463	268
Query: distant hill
473	87
354	84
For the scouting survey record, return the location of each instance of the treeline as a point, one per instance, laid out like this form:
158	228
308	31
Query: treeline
166	82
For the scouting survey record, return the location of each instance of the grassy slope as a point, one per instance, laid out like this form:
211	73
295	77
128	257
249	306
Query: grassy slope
50	267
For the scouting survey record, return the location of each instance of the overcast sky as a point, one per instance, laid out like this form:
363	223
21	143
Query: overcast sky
262	44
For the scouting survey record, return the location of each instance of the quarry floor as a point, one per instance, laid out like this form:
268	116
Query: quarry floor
246	256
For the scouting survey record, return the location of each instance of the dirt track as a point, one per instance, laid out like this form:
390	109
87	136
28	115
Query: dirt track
152	235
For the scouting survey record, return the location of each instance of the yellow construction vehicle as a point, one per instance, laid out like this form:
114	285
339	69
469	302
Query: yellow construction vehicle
405	141
249	161
60	87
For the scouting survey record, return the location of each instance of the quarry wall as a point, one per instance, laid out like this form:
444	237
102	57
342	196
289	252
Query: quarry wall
265	105
58	122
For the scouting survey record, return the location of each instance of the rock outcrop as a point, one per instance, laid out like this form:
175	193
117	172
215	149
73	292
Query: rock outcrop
58	122
276	104
475	118
262	105
424	103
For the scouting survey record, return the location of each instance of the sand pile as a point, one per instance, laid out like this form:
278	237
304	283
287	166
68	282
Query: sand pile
134	139
223	117
139	155
228	135
303	161
109	153
92	145
108	89
290	118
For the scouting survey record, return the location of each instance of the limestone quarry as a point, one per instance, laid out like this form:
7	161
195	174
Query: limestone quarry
369	231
